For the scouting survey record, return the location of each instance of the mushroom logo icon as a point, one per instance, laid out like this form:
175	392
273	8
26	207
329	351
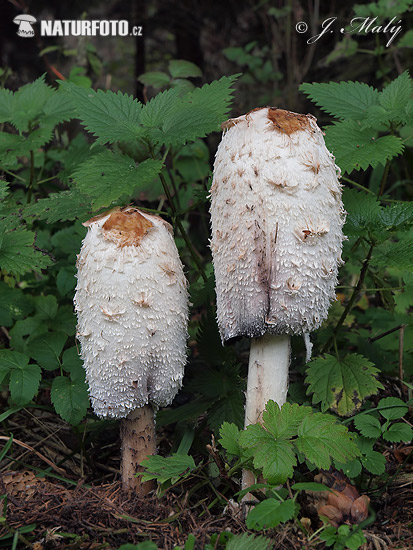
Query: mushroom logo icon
25	22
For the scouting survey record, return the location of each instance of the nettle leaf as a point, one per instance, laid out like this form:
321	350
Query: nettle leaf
368	425
397	214
28	103
229	439
398	432
356	148
24	378
363	211
394	254
248	542
229	408
161	106
47	348
7	104
108	176
70	398
157	79
4	189
342	385
392	408
17	254
14	304
66	205
171	468
275	457
270	513
58	108
321	439
345	100
395	96
198	113
107	115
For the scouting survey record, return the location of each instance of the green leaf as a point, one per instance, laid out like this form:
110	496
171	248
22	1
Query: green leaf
14	304
363	212
398	432
320	439
394	254
229	439
344	100
392	408
373	461
17	254
58	108
72	363
395	96
24	378
276	458
147	545
65	280
357	148
197	114
351	469
310	486
28	103
179	68
66	205
47	306
368	425
248	542
161	106
108	176
396	215
170	469
46	349
283	423
229	408
406	41
270	513
107	115
7	104
70	399
157	79
342	385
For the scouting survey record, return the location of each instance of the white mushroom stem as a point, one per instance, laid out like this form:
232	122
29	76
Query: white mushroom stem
138	437
267	379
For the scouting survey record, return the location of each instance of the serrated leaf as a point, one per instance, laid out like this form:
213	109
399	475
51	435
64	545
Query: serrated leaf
47	306
368	425
363	211
72	363
28	103
321	439
342	385
345	100
171	468
283	423
107	115
248	542
396	94
179	68
229	439
310	486
24	378
66	205
65	280
58	108
14	304
351	469
17	255
46	349
4	189
70	399
199	113
275	457
161	106
356	148
107	176
270	513
374	462
394	254
229	408
397	214
392	408
398	432
7	103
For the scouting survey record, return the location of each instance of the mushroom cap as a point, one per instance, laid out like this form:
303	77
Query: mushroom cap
132	307
24	17
276	217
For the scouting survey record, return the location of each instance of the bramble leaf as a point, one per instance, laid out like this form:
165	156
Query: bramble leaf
171	468
24	378
46	349
392	408
70	398
344	100
398	432
341	385
17	254
270	513
368	425
229	439
283	423
248	542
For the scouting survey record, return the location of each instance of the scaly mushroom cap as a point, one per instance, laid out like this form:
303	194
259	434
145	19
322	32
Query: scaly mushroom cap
277	217
132	306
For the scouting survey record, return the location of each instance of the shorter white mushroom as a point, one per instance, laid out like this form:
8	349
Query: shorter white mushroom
25	22
132	307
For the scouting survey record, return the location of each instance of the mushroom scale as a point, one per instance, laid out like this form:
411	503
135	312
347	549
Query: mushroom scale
276	217
132	306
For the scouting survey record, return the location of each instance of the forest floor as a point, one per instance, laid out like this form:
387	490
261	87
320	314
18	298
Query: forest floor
60	499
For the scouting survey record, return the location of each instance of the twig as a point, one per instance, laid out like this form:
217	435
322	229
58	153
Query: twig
42	457
383	334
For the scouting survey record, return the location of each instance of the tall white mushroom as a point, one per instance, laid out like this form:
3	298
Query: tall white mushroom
132	307
277	217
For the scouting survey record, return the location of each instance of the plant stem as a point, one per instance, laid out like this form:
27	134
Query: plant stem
384	178
30	188
348	180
